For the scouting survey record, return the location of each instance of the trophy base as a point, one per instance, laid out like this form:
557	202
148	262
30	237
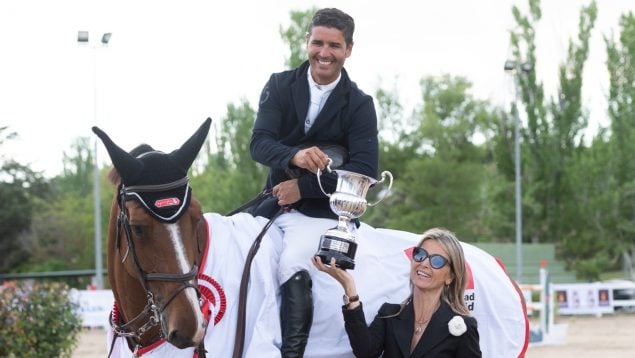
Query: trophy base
343	250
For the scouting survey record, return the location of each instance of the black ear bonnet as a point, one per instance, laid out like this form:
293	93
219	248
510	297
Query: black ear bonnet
157	180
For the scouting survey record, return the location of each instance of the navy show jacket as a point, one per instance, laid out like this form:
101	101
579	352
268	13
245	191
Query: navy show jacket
391	337
348	119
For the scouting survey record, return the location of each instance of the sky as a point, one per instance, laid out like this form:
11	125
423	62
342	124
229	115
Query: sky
171	64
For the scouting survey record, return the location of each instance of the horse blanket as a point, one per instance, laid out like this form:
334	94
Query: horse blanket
381	273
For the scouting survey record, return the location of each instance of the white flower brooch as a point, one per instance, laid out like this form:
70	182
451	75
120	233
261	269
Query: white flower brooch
457	326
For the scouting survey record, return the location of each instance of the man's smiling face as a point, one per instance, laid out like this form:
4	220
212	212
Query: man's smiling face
327	51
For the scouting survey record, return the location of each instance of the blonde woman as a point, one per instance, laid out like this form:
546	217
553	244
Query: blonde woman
432	322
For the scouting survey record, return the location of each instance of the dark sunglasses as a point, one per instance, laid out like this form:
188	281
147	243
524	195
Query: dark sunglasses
436	261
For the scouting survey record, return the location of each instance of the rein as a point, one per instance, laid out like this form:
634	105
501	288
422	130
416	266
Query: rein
239	337
152	310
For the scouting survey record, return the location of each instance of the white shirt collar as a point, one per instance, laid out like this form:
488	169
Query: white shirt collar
324	88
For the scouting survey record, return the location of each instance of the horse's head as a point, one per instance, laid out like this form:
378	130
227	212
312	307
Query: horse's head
156	243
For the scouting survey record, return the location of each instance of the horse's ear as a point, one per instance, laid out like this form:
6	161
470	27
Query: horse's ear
129	167
185	155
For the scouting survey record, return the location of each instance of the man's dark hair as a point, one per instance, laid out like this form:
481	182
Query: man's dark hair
334	18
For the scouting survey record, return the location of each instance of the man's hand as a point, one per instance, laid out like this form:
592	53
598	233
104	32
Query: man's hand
287	192
310	159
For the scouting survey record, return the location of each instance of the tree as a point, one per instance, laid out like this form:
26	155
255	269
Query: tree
553	128
398	140
554	152
229	176
62	230
78	169
621	67
589	244
440	169
295	36
19	188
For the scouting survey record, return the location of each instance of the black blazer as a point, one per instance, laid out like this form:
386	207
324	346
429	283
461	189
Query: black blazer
392	336
348	118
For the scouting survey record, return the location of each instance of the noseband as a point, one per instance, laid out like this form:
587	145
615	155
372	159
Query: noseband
152	310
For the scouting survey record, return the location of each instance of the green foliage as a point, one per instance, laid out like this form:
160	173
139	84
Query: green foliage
19	185
15	217
47	224
578	195
229	177
553	129
621	66
19	188
62	232
440	171
295	36
595	198
61	235
397	139
37	321
77	175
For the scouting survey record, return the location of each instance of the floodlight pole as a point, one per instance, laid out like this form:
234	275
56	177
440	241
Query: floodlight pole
82	37
515	69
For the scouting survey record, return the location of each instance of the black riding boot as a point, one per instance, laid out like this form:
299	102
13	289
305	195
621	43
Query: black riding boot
296	314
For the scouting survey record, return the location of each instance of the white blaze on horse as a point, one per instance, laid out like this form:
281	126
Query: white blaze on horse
176	273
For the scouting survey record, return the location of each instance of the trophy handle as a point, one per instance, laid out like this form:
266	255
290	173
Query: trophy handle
328	168
383	177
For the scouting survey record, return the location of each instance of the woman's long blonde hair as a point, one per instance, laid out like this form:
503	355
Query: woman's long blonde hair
454	293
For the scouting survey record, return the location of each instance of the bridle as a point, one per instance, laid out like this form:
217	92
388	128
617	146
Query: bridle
138	172
151	313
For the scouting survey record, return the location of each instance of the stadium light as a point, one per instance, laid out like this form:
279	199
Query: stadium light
515	69
83	39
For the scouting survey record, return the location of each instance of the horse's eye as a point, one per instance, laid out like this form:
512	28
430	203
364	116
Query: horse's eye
137	229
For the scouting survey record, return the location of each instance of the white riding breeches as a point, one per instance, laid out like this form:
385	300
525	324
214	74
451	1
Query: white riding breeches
301	238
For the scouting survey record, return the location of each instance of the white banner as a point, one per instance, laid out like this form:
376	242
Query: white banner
583	298
94	306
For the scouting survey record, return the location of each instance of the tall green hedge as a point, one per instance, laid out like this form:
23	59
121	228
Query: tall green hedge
37	320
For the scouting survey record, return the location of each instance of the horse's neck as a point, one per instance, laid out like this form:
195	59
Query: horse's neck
203	241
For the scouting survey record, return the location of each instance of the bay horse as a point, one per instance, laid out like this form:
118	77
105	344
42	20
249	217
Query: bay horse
172	269
155	247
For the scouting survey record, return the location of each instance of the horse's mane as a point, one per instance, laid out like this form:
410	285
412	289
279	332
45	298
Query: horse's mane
113	175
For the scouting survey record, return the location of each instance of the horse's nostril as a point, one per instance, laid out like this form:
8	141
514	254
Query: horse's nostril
178	340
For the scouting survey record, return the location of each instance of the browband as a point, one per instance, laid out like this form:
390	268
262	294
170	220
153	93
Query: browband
166	202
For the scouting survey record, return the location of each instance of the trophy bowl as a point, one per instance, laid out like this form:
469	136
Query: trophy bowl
348	202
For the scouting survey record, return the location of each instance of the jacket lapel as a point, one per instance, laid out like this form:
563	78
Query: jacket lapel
436	331
403	329
301	96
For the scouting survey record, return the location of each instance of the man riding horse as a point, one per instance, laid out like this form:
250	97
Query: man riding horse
314	103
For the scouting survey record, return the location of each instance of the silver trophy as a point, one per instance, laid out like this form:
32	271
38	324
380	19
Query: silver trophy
348	203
